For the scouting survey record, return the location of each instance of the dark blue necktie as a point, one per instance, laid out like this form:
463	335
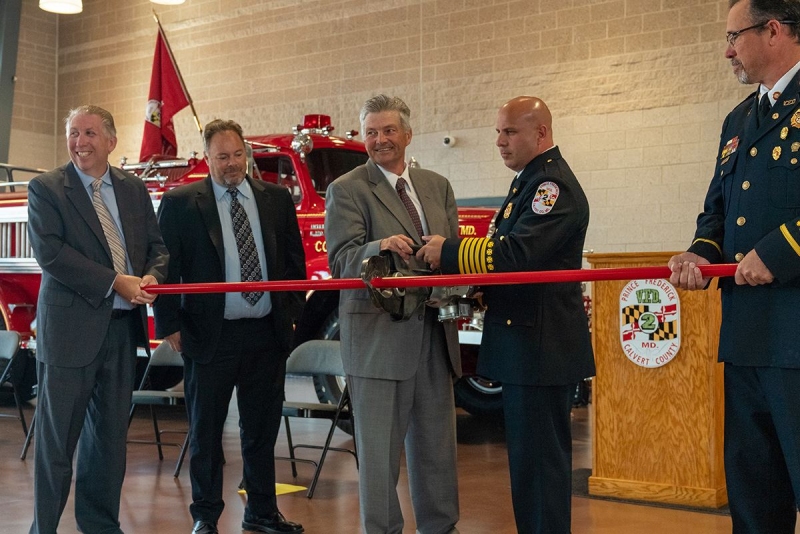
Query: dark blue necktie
763	109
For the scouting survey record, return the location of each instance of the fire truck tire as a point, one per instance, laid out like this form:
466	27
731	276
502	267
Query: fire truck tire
479	396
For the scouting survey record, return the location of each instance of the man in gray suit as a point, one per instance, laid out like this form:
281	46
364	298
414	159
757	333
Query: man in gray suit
94	233
400	373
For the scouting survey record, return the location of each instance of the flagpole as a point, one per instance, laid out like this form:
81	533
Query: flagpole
180	76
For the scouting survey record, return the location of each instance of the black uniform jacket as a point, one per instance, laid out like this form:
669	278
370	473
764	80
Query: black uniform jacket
535	334
753	202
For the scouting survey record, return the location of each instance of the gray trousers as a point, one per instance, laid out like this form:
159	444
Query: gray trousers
419	411
85	408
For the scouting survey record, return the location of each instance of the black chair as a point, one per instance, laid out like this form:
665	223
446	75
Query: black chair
163	356
316	357
9	350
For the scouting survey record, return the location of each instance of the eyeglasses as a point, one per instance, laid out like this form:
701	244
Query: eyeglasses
732	36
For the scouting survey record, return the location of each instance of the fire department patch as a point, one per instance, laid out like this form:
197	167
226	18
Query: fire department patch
650	322
152	113
546	196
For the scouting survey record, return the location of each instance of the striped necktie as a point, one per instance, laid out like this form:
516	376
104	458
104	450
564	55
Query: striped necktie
110	229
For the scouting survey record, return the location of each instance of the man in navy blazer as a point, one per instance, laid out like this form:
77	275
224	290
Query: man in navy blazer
751	216
237	339
91	318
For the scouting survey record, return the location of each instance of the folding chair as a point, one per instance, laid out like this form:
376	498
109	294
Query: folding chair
316	357
163	356
9	350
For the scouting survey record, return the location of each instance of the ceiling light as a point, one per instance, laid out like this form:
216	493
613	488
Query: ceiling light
168	2
64	7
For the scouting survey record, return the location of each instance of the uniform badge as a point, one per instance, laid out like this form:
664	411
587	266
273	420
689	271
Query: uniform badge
790	102
507	213
784	132
730	147
546	196
776	153
796	119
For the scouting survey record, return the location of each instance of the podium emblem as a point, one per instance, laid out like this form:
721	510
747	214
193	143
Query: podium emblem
650	325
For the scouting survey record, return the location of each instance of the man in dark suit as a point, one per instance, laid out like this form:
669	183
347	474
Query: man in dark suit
94	233
752	216
231	228
400	373
535	337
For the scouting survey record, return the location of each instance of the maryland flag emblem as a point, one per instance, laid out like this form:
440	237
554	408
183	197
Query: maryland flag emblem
650	323
655	326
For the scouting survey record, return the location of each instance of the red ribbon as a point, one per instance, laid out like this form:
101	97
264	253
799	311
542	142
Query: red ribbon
493	279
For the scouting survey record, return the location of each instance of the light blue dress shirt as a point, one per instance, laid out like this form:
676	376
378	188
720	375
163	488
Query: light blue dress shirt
236	307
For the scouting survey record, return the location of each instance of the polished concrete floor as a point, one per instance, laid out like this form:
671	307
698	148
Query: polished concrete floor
155	502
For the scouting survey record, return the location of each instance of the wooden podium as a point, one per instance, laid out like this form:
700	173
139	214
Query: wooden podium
658	432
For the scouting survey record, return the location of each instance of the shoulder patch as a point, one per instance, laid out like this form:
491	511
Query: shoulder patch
546	196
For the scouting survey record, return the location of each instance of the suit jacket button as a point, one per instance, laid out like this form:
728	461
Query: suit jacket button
753	151
745	185
508	322
739	256
740	221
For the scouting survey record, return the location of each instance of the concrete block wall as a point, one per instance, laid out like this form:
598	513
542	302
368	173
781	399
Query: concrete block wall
638	88
34	118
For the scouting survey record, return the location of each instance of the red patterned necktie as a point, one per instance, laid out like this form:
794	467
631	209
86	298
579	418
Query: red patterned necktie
412	211
249	264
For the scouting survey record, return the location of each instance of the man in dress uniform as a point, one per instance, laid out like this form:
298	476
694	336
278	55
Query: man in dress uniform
752	216
536	337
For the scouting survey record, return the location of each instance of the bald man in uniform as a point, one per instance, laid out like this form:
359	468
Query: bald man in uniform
536	337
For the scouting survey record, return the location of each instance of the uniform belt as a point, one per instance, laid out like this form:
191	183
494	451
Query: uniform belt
120	313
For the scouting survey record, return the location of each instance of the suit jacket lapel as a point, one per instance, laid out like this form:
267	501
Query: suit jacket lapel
83	205
430	206
125	207
390	199
207	206
266	209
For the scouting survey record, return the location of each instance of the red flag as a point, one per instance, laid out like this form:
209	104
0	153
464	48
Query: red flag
167	97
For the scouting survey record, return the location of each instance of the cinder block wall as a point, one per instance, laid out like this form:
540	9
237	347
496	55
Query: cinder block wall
638	88
34	117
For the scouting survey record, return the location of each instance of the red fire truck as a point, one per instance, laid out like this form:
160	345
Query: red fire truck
305	161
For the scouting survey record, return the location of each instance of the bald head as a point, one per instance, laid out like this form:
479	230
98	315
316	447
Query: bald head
524	130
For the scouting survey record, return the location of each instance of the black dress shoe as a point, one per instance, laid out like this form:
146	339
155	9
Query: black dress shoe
205	527
272	524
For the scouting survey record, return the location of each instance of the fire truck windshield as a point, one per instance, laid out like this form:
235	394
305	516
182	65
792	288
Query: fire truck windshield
327	164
